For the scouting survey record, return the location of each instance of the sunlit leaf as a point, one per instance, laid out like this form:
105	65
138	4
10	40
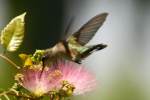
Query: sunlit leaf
12	35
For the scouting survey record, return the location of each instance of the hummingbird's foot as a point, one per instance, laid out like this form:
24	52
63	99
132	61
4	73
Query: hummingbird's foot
77	61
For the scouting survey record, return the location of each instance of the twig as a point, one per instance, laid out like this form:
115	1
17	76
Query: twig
4	93
10	61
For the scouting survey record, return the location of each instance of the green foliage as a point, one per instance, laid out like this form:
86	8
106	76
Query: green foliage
12	35
37	56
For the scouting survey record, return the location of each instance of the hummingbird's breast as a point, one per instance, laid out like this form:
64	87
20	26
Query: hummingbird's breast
63	49
58	48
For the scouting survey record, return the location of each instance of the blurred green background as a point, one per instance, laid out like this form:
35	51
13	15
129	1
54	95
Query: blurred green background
122	69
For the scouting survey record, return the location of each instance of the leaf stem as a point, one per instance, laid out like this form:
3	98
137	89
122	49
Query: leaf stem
9	61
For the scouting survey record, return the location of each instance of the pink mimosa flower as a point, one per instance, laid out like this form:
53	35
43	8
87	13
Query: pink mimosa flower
82	80
37	83
66	77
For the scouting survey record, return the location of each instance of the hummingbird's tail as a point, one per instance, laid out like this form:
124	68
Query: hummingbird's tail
92	49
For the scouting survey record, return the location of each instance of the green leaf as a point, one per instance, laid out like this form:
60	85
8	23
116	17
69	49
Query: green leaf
12	35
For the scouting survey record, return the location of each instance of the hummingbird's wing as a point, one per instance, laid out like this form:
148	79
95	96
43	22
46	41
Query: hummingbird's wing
67	29
88	30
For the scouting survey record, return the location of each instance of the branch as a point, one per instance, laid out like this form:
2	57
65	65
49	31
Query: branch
9	61
13	94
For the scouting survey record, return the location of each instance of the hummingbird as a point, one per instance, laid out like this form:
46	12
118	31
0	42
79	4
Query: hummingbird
74	47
